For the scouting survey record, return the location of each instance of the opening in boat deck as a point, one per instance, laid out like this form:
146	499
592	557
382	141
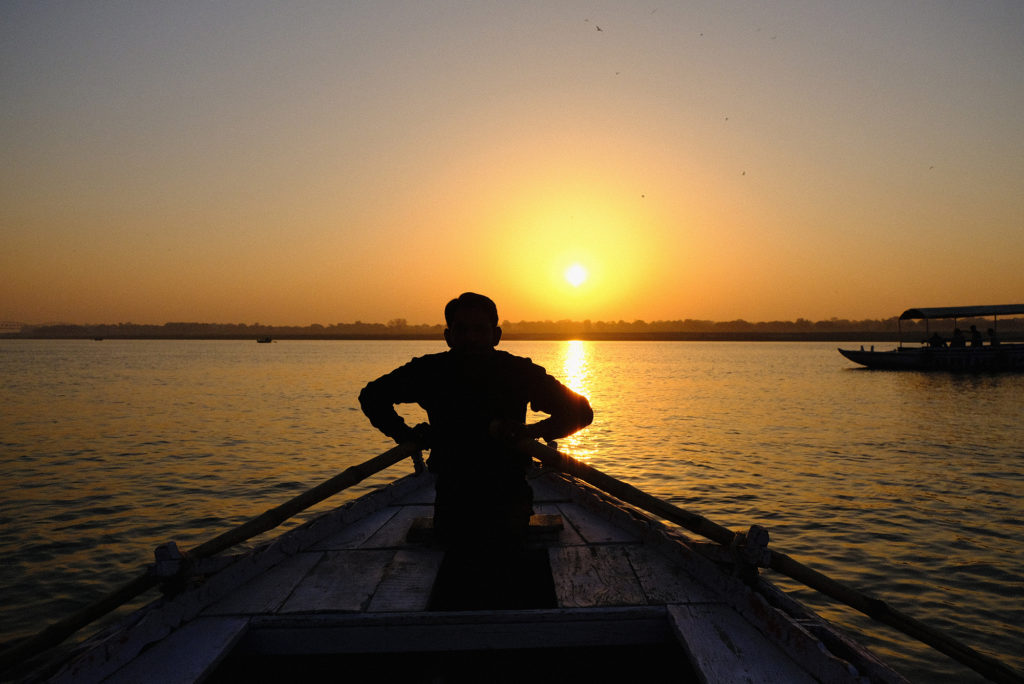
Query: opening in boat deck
469	580
535	666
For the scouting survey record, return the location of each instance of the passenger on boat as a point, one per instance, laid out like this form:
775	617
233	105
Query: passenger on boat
475	397
958	339
975	336
936	341
993	340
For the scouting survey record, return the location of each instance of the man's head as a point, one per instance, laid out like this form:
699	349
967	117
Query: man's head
472	321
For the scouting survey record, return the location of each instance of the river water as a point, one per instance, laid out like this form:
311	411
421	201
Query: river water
909	486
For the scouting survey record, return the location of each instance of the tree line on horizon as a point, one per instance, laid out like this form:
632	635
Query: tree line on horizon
400	327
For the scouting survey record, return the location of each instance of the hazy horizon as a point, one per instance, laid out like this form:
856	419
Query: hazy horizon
324	162
439	320
528	326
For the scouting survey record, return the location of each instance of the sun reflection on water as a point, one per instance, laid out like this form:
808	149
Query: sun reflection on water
576	375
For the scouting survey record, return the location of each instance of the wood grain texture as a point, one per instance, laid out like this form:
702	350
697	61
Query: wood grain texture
187	655
725	648
267	592
594	576
342	581
407	581
354	535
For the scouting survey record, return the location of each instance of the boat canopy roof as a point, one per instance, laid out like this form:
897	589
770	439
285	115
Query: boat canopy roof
963	311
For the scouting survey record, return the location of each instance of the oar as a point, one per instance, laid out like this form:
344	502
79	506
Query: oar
870	606
61	630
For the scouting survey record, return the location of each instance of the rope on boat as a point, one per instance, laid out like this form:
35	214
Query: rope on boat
874	608
62	629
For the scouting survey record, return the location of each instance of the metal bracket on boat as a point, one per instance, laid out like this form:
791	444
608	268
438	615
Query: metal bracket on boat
172	568
752	546
750	552
169	561
747	552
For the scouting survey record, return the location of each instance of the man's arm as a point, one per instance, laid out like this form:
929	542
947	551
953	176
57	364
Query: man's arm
568	411
378	401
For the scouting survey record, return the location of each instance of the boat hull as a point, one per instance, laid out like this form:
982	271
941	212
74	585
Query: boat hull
354	582
1008	357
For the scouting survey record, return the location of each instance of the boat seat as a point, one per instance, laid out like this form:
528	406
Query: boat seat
542	525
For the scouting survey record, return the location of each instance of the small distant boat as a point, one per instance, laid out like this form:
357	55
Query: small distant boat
264	340
957	354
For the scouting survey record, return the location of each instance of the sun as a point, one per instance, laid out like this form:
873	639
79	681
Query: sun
576	275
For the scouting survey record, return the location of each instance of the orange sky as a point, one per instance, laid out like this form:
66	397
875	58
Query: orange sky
296	163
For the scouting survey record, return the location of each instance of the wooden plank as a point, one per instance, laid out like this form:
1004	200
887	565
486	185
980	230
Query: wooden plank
423	496
421	531
341	581
187	655
549	524
567	536
407	582
664	581
594	576
724	647
393	533
456	631
544	492
543	528
594	529
815	643
267	592
352	536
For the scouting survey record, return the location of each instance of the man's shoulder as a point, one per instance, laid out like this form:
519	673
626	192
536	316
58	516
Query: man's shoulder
431	358
428	361
415	372
522	364
508	357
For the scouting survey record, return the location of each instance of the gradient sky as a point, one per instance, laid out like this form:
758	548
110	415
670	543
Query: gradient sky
323	162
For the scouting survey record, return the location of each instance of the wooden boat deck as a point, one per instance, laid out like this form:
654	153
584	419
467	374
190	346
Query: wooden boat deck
352	582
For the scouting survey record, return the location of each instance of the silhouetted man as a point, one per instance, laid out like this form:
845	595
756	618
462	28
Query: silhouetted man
475	397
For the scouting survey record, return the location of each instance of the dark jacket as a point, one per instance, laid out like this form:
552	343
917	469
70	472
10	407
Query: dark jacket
462	394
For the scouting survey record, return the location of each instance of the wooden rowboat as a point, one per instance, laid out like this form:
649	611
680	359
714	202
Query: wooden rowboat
358	586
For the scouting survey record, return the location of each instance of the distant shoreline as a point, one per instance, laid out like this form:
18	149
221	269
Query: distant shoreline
639	331
552	337
867	331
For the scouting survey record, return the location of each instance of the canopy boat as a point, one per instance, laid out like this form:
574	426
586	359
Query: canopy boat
935	354
357	589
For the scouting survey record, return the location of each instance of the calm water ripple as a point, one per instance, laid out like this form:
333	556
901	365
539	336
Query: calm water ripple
907	485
